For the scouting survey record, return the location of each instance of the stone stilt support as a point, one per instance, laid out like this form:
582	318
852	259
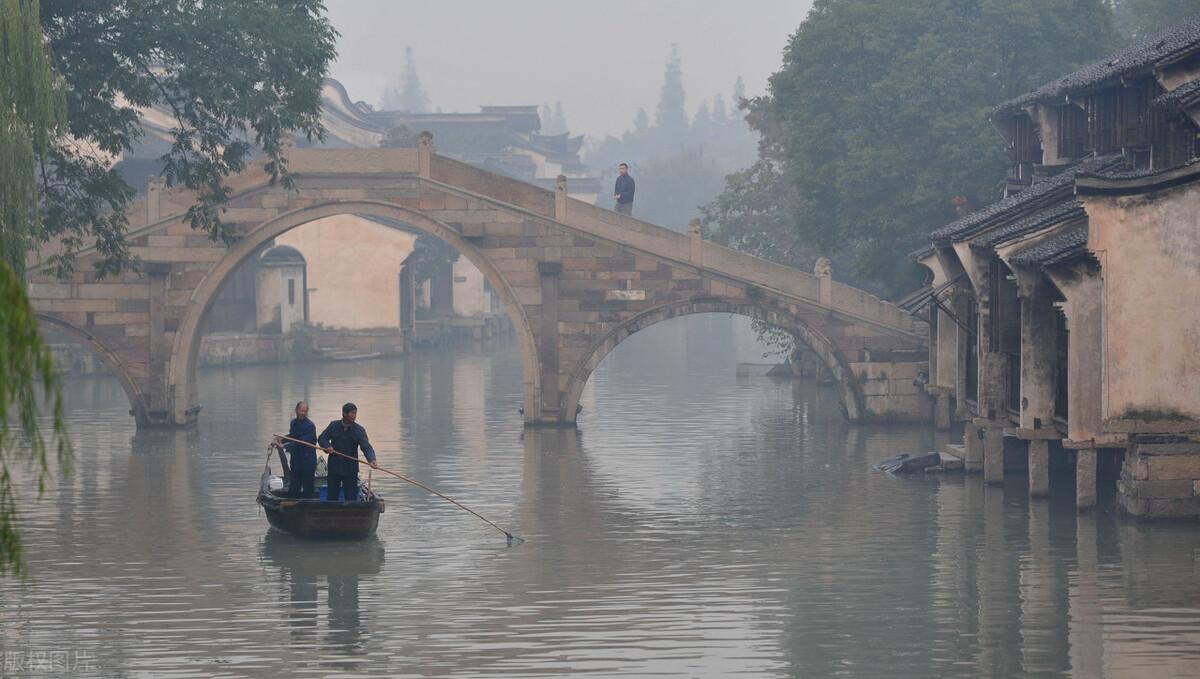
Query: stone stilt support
941	410
560	198
974	448
1085	478
1039	468
993	455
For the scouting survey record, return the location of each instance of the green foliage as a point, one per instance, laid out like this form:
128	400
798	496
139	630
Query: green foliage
876	122
777	342
1139	18
671	189
750	215
431	253
32	118
236	76
25	369
400	137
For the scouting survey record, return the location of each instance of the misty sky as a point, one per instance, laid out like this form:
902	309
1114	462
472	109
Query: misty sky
602	59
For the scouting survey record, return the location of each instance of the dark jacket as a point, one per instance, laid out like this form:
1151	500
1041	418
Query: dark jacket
303	457
624	189
346	440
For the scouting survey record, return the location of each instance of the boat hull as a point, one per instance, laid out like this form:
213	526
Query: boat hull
322	519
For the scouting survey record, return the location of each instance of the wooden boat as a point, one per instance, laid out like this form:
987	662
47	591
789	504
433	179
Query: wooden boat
318	518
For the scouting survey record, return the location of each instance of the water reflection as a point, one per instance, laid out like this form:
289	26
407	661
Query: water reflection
695	525
304	566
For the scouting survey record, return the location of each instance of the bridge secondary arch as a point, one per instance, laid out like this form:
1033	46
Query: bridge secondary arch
137	402
187	340
850	398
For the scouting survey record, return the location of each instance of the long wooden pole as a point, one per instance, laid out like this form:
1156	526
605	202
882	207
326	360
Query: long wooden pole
512	539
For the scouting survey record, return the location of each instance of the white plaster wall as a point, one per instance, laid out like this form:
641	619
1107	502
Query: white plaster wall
1149	247
272	296
353	270
291	312
468	289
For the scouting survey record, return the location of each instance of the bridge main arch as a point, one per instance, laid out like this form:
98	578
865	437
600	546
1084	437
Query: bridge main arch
185	352
850	398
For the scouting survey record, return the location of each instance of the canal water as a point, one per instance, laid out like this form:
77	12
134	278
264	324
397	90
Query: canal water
695	524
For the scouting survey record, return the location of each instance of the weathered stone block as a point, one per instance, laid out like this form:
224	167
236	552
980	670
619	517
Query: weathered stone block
67	305
114	318
38	291
112	290
1171	466
1173	488
432	201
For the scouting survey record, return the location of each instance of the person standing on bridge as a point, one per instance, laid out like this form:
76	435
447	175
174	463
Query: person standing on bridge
304	455
623	190
345	436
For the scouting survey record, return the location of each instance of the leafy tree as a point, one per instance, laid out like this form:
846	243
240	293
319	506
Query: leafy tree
32	118
235	75
671	116
554	121
1139	18
411	97
671	189
678	165
400	137
875	121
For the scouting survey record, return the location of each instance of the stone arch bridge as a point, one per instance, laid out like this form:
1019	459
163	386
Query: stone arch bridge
576	280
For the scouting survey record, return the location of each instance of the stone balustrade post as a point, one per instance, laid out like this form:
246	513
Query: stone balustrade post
695	243
560	198
824	270
424	153
154	189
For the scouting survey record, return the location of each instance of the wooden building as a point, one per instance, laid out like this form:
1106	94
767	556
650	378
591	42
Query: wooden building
1066	317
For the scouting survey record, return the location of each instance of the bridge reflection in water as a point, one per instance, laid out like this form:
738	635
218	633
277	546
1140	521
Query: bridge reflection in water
696	524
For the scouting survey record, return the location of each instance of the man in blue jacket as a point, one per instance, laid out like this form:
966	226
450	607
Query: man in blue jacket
623	190
304	457
345	436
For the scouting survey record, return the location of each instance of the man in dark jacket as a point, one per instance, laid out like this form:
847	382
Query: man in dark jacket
345	436
623	190
304	457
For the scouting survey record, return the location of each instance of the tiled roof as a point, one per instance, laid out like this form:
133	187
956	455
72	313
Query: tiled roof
1039	195
1168	44
1179	96
922	253
1059	214
1053	249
